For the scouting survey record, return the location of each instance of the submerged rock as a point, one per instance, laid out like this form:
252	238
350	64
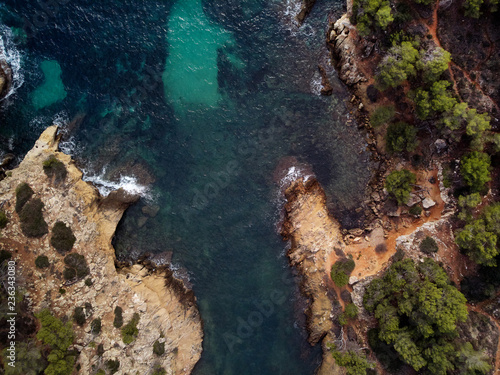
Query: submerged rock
306	8
5	78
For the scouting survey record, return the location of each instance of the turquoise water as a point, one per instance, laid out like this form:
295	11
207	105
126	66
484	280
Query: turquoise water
52	89
195	103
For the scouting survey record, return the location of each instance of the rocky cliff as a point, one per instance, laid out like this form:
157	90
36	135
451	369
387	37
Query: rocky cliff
168	311
315	237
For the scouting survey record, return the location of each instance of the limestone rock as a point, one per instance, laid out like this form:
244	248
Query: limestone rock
167	308
428	203
344	43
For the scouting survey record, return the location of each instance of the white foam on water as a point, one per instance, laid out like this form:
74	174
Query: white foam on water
11	54
294	174
127	183
315	84
68	146
289	12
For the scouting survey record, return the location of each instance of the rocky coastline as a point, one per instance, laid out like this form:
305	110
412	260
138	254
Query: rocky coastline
317	240
167	309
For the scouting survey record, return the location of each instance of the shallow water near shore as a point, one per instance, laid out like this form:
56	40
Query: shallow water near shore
194	103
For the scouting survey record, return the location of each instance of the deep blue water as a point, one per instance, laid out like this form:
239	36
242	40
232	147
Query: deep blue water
197	101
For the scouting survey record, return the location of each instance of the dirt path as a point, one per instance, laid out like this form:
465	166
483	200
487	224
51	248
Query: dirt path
369	262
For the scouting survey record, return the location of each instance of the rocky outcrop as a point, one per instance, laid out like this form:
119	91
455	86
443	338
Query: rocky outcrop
343	40
168	311
306	8
5	78
314	236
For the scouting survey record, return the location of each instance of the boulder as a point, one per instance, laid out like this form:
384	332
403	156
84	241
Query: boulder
428	203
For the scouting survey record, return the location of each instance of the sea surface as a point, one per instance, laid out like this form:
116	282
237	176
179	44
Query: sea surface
193	104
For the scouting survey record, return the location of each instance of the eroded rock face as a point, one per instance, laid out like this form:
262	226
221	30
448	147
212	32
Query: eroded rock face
168	311
343	40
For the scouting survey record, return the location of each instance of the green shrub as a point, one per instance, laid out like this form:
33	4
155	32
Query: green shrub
54	169
382	115
341	271
62	291
473	8
415	210
351	310
62	237
129	330
88	281
4	255
23	195
159	348
96	326
118	321
113	365
69	273
429	245
355	364
42	261
78	264
400	184
32	222
401	137
342	319
100	372
475	170
158	370
79	316
4	220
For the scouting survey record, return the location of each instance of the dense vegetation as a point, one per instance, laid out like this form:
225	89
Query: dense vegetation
417	311
58	336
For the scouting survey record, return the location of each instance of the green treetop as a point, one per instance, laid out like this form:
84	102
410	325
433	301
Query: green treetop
433	63
479	238
400	184
398	65
417	311
475	169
